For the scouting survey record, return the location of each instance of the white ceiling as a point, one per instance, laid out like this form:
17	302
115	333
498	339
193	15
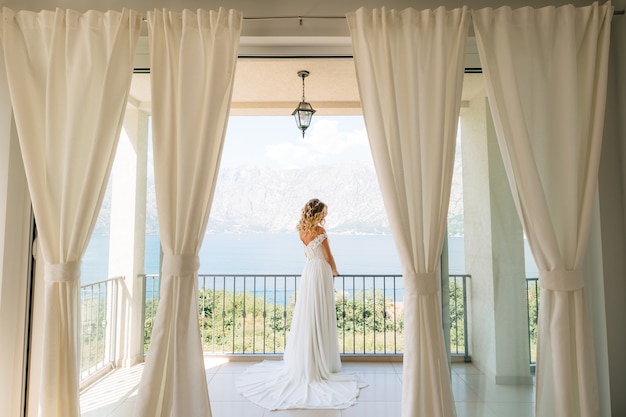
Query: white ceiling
273	87
266	80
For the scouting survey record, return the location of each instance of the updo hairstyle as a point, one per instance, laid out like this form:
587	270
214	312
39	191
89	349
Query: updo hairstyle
313	215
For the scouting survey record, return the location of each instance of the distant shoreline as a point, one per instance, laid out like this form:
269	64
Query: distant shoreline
278	253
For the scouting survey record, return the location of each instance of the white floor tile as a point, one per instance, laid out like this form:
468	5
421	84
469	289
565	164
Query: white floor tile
463	368
302	413
103	410
124	409
462	392
369	367
488	391
512	409
397	366
106	395
475	395
213	364
382	387
235	367
473	410
222	388
235	409
373	409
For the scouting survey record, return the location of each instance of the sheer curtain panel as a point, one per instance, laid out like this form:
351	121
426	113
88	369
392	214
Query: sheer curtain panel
409	67
193	58
546	75
69	75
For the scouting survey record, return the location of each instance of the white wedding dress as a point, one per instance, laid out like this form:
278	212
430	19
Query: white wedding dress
310	375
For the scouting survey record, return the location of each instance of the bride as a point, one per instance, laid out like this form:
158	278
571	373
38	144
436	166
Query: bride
310	375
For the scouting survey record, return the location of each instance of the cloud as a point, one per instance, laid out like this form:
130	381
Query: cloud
326	138
323	143
287	155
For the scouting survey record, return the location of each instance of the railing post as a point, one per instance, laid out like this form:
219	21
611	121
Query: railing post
109	316
467	357
144	278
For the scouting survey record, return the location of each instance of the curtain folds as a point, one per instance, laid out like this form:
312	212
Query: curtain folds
546	74
69	76
193	58
409	67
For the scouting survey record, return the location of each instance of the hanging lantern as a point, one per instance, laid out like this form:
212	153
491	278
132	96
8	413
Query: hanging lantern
304	112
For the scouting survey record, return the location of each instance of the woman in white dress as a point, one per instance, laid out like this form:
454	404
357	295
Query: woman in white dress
310	375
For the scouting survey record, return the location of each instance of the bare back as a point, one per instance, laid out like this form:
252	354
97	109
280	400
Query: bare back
307	238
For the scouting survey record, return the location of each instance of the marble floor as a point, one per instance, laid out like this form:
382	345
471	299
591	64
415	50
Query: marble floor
475	395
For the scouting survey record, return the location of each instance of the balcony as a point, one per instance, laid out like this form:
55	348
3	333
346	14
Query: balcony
245	318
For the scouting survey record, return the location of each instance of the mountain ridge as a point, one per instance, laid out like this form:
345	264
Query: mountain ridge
257	199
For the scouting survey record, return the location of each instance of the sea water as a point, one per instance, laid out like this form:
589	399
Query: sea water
271	254
279	255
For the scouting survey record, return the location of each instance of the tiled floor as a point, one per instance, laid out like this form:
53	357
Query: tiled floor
474	394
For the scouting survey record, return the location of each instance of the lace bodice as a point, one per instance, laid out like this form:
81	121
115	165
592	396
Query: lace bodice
314	249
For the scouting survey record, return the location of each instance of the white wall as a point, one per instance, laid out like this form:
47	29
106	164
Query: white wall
478	242
612	192
128	229
494	253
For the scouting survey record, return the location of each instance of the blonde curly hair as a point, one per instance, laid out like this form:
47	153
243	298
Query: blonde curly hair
313	215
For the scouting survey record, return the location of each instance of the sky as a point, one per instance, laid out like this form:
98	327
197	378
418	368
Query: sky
276	141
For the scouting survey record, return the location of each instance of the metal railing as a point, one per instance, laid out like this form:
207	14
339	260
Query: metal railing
370	314
459	332
98	305
251	314
532	297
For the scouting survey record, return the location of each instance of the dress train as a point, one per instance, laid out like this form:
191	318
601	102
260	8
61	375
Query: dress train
310	374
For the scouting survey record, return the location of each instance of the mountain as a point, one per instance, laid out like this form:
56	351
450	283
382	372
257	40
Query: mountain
253	199
264	199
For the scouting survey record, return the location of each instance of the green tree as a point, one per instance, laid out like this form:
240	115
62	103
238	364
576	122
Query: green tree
244	323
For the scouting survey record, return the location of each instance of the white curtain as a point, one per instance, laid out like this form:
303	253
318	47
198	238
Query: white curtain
69	75
546	73
409	67
193	58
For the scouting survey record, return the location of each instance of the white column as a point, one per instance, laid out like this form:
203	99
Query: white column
494	254
128	225
15	231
